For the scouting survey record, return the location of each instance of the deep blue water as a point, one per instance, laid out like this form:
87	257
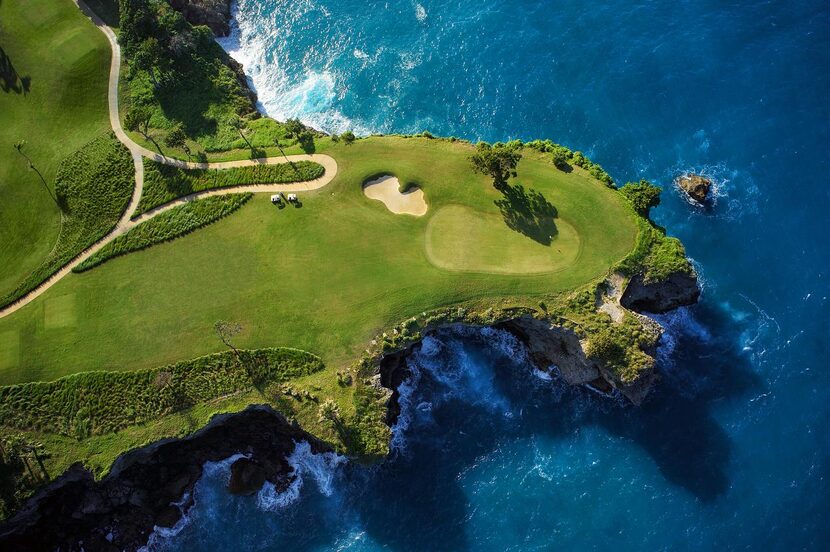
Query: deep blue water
732	451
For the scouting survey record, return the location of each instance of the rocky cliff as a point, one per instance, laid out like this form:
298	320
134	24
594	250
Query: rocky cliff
679	289
119	512
216	14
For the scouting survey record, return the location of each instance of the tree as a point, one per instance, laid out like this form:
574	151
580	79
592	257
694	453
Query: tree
293	128
18	146
643	195
147	57
137	119
330	412
306	141
348	136
236	123
226	331
176	138
498	161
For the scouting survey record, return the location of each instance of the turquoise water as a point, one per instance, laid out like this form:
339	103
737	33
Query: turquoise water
732	450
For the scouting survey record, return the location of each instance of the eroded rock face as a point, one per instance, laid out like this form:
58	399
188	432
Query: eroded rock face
75	512
697	187
548	345
216	14
680	289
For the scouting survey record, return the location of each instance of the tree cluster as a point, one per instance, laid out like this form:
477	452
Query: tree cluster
643	195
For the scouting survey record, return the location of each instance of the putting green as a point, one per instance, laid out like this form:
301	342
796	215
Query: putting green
462	239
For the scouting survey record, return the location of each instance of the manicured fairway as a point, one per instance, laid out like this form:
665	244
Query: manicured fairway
324	277
55	98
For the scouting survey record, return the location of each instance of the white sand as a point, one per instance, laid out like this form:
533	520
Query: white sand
388	190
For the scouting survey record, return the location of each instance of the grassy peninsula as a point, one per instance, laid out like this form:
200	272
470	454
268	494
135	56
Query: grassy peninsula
290	305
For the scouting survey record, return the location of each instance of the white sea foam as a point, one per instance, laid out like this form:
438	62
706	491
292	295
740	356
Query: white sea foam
310	96
406	398
210	470
321	468
420	13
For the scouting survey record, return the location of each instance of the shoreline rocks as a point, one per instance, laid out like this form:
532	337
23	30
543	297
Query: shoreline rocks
119	512
679	289
696	187
145	487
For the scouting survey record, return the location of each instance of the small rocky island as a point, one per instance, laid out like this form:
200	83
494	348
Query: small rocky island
697	187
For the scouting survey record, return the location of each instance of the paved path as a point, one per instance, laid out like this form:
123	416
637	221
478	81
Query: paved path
127	222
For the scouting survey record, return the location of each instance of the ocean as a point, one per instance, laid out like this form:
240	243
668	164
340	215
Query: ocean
732	449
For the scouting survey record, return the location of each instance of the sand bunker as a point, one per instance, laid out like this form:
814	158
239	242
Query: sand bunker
388	190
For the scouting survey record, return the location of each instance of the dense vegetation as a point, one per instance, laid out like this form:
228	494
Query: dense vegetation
95	403
167	226
180	79
53	96
655	255
93	187
562	158
163	183
643	196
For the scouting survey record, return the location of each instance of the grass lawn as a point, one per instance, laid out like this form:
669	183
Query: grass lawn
324	277
53	94
461	238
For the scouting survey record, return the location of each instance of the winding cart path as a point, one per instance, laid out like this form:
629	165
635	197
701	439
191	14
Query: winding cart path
138	152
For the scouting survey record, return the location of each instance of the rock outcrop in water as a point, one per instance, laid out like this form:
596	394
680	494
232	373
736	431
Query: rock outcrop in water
75	512
695	186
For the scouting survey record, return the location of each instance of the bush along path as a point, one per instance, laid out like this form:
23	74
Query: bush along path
138	153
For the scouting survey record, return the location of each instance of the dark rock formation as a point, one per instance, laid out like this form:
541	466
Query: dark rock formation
216	14
548	344
247	477
695	186
680	289
75	512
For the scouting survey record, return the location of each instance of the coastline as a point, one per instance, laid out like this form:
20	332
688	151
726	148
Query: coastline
101	509
150	487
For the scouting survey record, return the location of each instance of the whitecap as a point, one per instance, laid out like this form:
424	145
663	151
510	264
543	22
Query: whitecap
322	468
420	13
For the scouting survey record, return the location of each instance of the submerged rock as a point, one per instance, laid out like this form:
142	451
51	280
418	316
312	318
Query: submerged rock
695	186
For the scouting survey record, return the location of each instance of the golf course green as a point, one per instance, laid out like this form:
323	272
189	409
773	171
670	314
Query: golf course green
327	276
191	281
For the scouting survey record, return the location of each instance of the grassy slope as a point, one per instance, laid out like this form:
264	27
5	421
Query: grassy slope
324	278
67	60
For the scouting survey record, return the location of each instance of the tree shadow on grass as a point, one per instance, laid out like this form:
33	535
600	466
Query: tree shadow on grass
528	212
175	181
10	80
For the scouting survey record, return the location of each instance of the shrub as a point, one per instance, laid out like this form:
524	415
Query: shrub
605	347
93	186
348	137
96	403
643	195
164	183
560	160
167	226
